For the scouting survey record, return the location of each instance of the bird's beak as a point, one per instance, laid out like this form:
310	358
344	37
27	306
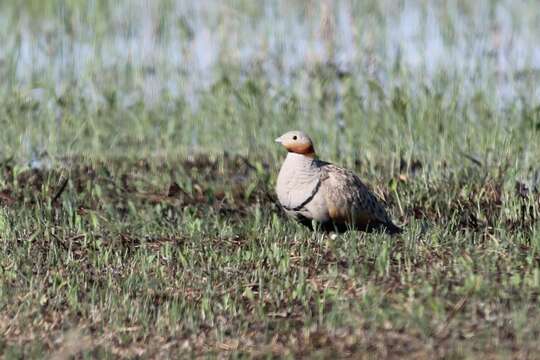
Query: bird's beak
279	140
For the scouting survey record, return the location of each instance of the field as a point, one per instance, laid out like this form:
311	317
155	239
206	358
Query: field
137	166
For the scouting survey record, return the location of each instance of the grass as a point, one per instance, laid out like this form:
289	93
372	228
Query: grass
129	263
141	225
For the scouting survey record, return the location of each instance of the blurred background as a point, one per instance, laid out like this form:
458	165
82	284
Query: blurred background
367	78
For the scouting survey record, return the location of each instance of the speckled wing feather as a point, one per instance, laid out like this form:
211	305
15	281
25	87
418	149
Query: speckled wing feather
349	201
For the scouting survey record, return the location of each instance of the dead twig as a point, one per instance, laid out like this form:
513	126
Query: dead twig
60	190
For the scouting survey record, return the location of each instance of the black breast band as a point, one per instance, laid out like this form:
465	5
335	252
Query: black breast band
307	201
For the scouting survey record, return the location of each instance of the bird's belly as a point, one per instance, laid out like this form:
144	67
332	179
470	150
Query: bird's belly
318	210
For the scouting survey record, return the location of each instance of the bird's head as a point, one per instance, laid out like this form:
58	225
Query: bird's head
297	142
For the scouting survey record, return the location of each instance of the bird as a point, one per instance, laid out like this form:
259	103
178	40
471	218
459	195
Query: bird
320	194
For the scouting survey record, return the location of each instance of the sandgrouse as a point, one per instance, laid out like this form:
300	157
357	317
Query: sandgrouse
311	190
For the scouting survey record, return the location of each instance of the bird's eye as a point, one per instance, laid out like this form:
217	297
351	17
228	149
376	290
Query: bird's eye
294	137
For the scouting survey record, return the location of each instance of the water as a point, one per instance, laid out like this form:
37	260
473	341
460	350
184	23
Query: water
180	47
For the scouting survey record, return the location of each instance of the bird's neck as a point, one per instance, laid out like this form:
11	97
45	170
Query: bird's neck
307	151
300	161
309	155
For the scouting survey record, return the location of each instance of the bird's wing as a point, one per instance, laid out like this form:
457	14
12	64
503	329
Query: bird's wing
348	199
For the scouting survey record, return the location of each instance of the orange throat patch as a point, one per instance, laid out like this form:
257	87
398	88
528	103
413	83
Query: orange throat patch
304	149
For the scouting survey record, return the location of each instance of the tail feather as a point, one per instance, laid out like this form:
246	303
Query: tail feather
387	227
392	229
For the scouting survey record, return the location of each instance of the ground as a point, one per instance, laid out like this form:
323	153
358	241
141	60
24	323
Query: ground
194	257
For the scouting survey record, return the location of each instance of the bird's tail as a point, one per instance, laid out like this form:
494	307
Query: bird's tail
393	229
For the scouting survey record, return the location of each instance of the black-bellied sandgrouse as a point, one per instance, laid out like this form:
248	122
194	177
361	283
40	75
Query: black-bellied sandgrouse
310	190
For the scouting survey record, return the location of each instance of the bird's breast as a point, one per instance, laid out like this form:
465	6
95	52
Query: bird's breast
294	187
